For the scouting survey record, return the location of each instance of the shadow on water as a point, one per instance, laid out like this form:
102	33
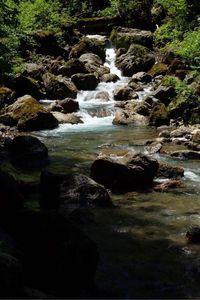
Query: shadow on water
138	258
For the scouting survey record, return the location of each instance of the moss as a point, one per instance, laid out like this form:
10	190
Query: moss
159	115
158	69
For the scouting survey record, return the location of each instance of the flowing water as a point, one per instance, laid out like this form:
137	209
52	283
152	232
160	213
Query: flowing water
143	251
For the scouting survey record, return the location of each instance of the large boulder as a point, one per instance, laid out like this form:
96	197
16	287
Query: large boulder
132	173
85	81
94	64
58	87
28	152
34	70
123	37
164	94
28	86
57	257
74	190
68	105
138	58
28	115
169	171
126	117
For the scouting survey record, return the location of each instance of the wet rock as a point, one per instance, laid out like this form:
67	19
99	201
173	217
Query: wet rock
11	198
164	94
186	154
88	45
28	115
125	117
141	77
123	37
104	96
154	147
68	105
71	67
67	118
128	174
12	277
58	87
53	251
28	152
124	93
170	184
138	58
169	171
109	78
159	116
193	235
6	96
85	81
74	190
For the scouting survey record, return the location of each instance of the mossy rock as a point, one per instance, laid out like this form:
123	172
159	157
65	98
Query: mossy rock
88	45
28	115
159	116
158	69
123	37
97	24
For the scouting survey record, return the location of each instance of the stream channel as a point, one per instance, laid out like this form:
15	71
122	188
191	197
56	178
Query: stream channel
142	245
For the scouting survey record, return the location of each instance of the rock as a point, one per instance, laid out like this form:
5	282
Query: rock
169	171
158	69
193	235
165	134
159	116
186	154
125	117
141	77
28	86
193	146
196	136
28	152
58	87
123	37
85	81
11	198
12	277
54	252
94	64
124	93
142	109
28	115
74	190
68	105
6	96
154	147
33	70
170	184
138	58
71	67
109	78
88	45
136	172
67	118
104	96
164	94
180	132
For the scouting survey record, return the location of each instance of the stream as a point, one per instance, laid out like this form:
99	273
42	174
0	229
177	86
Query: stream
142	245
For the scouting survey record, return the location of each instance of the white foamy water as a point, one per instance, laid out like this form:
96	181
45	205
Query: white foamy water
190	175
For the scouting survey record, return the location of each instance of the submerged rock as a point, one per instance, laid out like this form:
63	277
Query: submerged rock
132	173
74	190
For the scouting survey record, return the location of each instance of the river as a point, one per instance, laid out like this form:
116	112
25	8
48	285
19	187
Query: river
142	245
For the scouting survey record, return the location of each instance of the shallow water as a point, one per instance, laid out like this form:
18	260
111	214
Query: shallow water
142	245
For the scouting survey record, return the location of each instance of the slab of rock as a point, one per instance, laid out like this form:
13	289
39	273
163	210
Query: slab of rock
133	173
123	37
187	154
68	105
28	115
71	67
125	117
164	94
124	93
141	77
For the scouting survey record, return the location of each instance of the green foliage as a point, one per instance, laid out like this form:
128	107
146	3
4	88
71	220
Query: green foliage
180	86
111	9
